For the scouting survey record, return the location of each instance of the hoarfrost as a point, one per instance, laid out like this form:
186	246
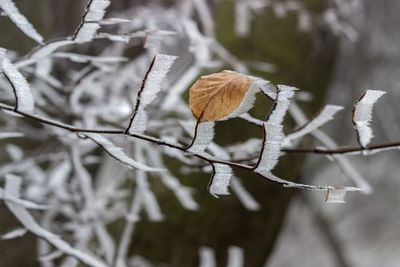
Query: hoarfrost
22	91
362	115
151	86
220	180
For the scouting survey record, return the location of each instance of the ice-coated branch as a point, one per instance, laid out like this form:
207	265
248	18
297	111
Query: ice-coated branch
268	176
219	183
23	96
90	23
362	115
151	86
273	131
202	137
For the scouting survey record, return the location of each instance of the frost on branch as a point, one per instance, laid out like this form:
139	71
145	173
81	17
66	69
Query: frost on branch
91	191
90	23
150	87
273	131
22	91
203	136
362	115
336	195
351	172
20	21
220	180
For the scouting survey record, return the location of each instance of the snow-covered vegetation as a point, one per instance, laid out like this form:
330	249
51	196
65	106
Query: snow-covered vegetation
112	119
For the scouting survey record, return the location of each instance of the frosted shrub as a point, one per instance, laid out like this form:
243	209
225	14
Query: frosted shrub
132	109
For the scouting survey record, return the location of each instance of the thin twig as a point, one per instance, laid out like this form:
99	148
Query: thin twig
160	142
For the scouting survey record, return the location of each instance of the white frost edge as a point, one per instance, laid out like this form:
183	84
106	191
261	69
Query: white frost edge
22	92
249	98
162	64
362	115
273	130
343	162
220	180
204	134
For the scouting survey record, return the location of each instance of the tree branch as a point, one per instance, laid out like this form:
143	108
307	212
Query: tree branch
205	157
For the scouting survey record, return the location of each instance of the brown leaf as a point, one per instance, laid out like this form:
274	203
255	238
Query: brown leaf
217	95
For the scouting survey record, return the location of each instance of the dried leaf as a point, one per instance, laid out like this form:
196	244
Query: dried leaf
217	95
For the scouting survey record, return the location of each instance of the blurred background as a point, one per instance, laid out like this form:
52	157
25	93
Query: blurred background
332	59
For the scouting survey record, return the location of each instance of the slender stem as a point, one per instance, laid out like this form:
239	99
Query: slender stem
343	150
322	151
154	140
206	157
